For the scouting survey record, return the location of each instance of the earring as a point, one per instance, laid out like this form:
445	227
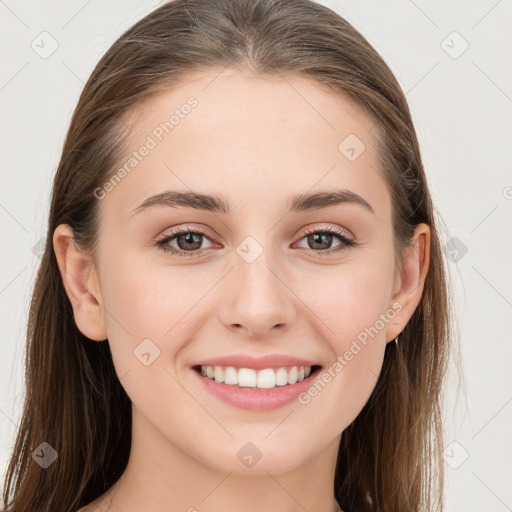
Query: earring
396	340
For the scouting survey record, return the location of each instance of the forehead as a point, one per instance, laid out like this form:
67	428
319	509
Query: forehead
250	137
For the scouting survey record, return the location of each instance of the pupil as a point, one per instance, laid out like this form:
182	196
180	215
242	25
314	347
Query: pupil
316	240
190	239
313	239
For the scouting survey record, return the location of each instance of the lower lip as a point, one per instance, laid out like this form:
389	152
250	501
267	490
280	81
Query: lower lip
255	399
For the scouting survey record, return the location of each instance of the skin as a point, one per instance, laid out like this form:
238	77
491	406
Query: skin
256	141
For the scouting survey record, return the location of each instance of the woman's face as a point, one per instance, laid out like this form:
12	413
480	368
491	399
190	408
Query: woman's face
256	281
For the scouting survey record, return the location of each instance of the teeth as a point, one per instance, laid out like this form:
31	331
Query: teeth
246	377
293	375
218	373
281	377
262	379
266	379
230	375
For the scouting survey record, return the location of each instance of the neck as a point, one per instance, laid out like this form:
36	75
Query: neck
160	476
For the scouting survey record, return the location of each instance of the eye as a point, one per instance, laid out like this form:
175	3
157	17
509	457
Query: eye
320	240
187	240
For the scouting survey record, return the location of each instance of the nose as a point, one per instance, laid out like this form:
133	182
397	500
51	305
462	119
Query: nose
259	303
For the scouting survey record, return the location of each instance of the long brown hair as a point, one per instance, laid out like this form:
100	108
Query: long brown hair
390	457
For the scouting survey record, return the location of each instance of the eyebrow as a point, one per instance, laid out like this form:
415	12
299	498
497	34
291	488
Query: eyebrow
217	203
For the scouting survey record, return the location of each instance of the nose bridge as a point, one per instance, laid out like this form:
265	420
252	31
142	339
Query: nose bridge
259	300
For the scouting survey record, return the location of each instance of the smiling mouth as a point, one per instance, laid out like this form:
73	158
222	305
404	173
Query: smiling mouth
267	378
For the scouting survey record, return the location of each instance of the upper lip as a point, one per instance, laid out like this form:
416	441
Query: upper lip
258	363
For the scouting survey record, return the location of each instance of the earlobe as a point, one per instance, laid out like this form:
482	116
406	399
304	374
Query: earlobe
80	281
411	280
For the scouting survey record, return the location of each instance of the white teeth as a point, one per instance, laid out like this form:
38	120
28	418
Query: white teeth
263	379
293	375
218	373
266	378
281	377
247	378
230	375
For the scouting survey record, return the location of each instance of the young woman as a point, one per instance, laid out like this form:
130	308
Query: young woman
242	302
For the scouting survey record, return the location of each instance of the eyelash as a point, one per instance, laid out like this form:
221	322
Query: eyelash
162	243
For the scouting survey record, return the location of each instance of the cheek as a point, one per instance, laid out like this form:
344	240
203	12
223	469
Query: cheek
349	299
363	312
148	299
160	303
148	317
352	303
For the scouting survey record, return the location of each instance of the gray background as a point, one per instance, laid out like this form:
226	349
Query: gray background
461	101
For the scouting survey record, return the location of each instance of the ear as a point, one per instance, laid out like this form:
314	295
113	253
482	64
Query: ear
81	284
410	280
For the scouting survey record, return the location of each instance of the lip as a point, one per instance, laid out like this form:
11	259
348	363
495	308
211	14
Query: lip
256	363
255	399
